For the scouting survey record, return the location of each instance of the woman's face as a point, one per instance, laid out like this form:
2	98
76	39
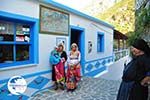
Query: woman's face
73	48
60	48
135	51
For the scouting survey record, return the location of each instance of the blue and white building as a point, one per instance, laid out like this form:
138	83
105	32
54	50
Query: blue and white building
29	30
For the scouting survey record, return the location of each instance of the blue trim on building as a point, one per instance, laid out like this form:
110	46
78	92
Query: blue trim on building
14	47
34	37
17	17
83	52
7	42
77	28
95	72
98	59
95	67
101	39
28	75
58	5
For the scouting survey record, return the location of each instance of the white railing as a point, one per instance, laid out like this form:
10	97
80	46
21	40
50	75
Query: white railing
120	54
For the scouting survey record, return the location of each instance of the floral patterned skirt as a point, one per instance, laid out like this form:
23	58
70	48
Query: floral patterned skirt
73	76
59	72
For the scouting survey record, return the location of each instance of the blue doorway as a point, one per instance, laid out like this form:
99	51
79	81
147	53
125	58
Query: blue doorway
77	36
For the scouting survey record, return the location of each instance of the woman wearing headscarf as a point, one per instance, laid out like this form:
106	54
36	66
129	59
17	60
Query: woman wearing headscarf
62	53
58	76
73	71
136	74
63	56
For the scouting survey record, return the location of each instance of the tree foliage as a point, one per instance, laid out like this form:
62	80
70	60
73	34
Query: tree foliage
121	15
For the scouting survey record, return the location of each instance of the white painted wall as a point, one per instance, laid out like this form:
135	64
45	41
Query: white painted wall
22	7
46	45
47	42
91	34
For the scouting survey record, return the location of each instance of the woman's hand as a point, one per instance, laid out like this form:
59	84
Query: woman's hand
145	81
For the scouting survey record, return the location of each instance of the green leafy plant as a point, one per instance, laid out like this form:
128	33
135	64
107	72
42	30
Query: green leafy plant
142	22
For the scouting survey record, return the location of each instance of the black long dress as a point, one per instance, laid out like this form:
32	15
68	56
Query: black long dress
63	55
134	73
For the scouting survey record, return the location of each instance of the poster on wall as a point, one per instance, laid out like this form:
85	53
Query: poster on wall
61	41
89	46
53	21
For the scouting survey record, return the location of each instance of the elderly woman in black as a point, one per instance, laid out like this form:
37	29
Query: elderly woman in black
136	74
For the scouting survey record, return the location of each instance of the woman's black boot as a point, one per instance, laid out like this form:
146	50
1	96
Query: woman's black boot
56	86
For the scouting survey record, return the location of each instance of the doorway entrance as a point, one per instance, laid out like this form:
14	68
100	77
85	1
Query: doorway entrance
77	36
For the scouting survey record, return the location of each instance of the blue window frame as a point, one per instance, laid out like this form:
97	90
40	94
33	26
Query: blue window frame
100	42
18	40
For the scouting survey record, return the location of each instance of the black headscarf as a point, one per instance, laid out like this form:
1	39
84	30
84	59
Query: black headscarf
142	45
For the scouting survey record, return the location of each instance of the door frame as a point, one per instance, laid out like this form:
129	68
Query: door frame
82	45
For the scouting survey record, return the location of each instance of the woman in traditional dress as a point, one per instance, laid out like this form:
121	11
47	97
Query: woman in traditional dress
63	56
73	71
57	68
136	74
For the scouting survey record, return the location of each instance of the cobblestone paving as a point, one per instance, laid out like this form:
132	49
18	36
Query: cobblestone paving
88	89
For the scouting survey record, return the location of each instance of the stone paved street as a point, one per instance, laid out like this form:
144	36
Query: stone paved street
104	87
89	89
